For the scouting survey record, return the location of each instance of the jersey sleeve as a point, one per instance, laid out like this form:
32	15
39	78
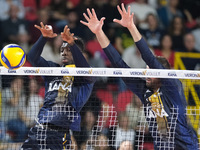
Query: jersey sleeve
147	55
80	61
78	57
137	85
172	86
34	55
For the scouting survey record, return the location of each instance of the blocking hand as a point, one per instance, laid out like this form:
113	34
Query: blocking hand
126	17
68	36
46	30
93	23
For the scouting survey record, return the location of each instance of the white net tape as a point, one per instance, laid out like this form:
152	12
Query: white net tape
165	141
104	72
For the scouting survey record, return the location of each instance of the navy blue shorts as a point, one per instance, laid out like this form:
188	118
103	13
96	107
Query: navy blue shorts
47	138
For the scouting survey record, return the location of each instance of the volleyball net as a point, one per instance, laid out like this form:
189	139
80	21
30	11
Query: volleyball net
113	115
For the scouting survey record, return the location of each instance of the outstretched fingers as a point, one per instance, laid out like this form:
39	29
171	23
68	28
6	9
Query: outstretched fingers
84	23
38	27
116	20
54	34
91	15
132	14
94	13
68	31
89	12
86	17
129	9
123	8
119	9
42	25
102	20
65	29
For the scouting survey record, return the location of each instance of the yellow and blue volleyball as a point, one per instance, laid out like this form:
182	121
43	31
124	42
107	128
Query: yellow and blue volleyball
12	56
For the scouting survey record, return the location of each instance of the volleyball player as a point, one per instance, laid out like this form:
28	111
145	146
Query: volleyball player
163	99
64	95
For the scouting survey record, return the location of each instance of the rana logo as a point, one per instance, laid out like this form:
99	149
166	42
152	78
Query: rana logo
55	85
66	71
155	113
11	71
172	74
117	72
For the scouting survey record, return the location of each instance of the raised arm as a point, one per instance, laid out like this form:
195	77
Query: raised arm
95	25
35	52
173	86
78	57
127	21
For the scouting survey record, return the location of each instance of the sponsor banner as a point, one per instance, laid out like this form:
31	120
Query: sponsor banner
84	71
145	73
172	74
38	71
12	71
31	71
106	72
192	75
65	71
117	72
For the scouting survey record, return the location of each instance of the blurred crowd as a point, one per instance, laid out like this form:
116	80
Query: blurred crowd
112	112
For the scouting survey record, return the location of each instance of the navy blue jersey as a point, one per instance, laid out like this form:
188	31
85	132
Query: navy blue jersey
64	95
165	109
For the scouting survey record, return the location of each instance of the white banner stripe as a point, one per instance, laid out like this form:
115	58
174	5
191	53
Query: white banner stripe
102	72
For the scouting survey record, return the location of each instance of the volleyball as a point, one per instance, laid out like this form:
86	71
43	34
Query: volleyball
12	56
